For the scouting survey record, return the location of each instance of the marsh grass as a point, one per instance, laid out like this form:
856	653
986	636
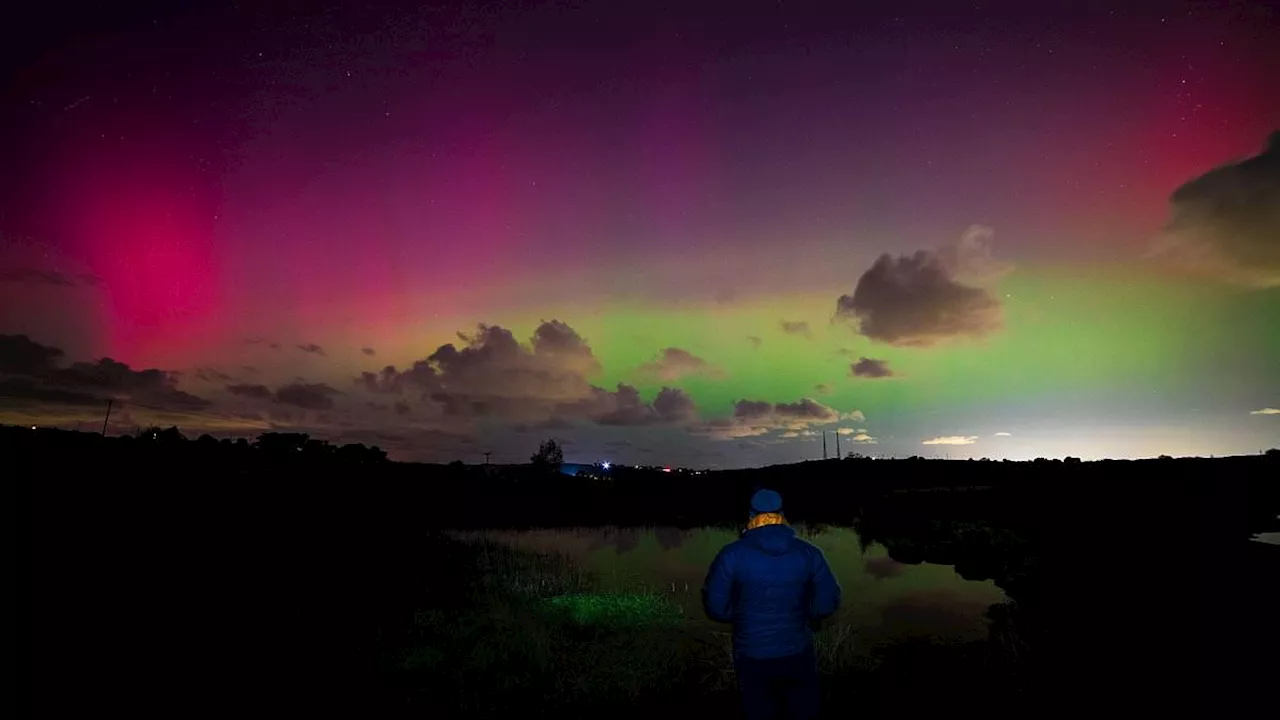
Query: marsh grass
505	632
534	635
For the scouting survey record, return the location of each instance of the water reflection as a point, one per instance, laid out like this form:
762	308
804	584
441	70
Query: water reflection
885	600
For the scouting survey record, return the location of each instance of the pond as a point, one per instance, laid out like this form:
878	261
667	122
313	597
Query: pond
885	602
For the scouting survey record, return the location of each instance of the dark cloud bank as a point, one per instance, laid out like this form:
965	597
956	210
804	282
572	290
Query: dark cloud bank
1226	222
491	375
30	370
487	381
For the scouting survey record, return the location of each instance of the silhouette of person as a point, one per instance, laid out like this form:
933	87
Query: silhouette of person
773	587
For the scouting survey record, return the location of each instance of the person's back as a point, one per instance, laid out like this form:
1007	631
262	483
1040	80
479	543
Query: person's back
772	586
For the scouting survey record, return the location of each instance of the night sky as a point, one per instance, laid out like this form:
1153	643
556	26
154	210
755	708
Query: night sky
665	233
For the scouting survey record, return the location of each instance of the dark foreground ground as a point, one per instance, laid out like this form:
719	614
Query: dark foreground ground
162	589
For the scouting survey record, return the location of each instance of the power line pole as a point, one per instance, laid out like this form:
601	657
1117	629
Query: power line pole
838	455
486	457
824	444
105	419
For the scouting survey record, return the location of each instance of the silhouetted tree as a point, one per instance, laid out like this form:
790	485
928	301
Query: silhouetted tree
1273	453
274	443
358	453
549	456
314	448
166	436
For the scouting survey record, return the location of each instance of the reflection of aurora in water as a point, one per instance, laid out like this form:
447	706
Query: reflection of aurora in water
884	601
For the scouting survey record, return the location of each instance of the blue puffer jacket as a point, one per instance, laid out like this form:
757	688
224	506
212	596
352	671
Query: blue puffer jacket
770	584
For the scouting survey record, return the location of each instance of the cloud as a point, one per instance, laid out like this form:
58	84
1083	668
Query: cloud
755	341
118	380
27	389
492	376
758	417
858	436
822	388
1003	434
212	375
929	297
808	410
674	363
624	406
674	405
492	367
257	392
798	327
402	408
368	351
869	368
951	440
36	374
421	376
49	277
1226	222
20	355
312	348
1266	411
308	396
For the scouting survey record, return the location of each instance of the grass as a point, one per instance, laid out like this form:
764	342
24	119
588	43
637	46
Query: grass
616	610
532	634
500	632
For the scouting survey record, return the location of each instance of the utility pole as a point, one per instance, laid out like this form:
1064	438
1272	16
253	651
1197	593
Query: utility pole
838	455
824	444
486	457
105	419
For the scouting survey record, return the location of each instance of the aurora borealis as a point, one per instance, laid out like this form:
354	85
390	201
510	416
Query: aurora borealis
679	234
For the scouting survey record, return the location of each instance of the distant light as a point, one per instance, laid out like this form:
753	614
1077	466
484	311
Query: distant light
33	427
605	465
666	469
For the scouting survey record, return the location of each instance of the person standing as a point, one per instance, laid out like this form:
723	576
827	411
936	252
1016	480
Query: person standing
772	586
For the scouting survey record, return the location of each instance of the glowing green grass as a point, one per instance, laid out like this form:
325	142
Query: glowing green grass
616	609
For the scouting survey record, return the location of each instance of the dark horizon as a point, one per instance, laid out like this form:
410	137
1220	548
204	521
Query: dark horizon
572	466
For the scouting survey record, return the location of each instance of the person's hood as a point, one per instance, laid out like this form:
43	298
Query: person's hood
771	539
